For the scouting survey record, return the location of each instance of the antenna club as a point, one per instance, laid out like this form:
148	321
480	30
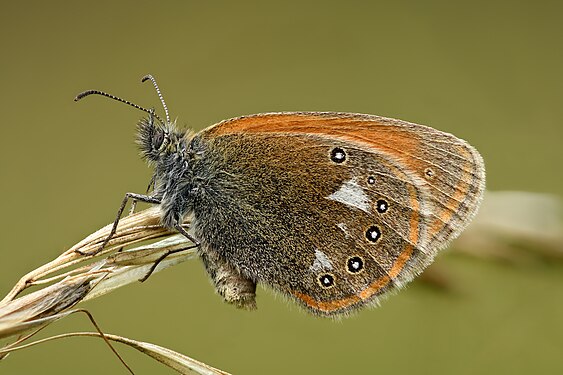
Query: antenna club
84	94
147	77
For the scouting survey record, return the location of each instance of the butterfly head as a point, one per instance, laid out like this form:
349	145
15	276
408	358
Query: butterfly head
157	140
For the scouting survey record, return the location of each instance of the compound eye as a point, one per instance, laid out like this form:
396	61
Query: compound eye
158	139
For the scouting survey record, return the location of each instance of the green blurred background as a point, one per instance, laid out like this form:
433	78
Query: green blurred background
487	71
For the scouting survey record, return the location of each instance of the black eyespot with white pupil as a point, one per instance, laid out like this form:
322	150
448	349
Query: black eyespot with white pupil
382	206
429	173
338	155
371	180
355	264
373	233
326	280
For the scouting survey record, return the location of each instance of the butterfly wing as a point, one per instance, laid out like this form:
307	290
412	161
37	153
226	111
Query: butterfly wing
334	209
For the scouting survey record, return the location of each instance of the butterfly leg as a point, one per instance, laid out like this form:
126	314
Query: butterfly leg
162	257
183	232
134	201
137	197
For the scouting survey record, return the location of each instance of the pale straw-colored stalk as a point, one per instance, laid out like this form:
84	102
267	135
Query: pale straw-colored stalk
72	278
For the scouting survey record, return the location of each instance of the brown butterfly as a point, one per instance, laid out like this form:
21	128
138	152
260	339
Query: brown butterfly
331	209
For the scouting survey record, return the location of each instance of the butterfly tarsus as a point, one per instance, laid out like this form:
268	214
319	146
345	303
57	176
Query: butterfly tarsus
135	197
183	232
164	256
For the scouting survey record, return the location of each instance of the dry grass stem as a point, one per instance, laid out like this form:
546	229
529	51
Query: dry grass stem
73	277
177	361
104	272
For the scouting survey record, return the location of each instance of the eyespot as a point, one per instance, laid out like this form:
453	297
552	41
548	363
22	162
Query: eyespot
338	155
326	280
371	180
429	173
355	264
373	233
382	206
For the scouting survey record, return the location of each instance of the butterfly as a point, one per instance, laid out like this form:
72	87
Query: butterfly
333	210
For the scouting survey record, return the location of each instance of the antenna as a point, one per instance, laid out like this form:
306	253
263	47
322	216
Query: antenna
151	78
97	92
